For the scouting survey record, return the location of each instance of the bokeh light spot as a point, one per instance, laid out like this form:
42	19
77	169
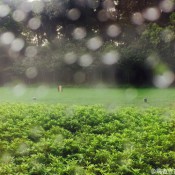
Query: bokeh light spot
19	90
79	77
113	30
167	6
19	15
17	44
79	33
164	80
70	58
31	51
4	10
137	18
7	38
74	14
37	6
94	43
111	57
151	14
85	60
34	23
31	72
102	15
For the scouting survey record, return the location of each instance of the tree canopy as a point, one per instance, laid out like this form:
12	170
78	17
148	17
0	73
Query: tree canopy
52	30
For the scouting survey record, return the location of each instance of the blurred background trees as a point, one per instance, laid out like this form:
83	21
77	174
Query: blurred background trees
88	41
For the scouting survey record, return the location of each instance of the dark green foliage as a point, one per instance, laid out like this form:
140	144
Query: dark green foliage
85	140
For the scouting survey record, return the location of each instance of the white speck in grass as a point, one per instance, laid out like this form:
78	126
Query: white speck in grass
137	18
74	14
7	38
79	33
17	44
4	10
31	51
113	30
31	72
164	80
111	57
19	15
34	23
19	90
94	43
151	14
70	58
85	60
167	6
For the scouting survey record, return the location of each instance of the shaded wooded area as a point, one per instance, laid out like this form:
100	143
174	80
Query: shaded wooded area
88	41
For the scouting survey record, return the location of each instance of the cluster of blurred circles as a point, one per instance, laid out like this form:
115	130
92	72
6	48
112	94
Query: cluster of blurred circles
19	14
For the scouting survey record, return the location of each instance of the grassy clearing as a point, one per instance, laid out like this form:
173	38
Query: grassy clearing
85	140
106	96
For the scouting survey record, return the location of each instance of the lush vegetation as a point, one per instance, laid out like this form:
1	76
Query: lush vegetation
85	140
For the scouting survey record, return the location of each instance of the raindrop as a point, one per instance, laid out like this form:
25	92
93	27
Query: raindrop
6	158
59	138
31	51
152	61
131	94
111	57
19	15
42	91
151	14
164	80
93	3
85	60
13	54
70	58
74	14
4	10
31	72
167	6
79	33
79	77
23	149
94	43
17	44
167	35
137	18
34	23
25	7
19	90
37	6
7	38
102	15
113	30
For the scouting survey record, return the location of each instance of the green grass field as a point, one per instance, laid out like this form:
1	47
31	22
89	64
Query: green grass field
88	96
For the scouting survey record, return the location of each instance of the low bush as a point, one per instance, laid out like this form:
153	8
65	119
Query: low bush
85	140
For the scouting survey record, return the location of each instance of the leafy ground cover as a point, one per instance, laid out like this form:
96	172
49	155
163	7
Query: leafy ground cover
40	139
83	96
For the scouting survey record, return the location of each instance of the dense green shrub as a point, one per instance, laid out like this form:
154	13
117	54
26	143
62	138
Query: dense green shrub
85	140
